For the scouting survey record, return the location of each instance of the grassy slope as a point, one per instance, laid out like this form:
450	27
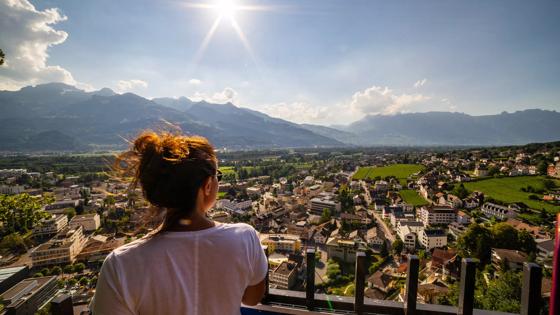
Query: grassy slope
412	197
400	171
508	189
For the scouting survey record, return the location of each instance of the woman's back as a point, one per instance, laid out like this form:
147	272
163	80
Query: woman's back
194	272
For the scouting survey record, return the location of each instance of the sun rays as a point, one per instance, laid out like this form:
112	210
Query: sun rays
226	11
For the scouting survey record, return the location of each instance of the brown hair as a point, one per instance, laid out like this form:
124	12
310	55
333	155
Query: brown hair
170	169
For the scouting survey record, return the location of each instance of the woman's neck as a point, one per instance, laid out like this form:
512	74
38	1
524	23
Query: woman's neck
195	222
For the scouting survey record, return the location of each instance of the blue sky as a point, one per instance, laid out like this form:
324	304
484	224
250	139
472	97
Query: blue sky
326	62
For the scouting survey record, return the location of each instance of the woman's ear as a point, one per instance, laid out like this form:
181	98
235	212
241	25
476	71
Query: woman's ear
208	186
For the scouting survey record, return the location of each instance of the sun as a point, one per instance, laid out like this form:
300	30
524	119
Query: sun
226	8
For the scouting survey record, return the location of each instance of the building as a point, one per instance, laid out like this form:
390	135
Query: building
10	276
435	215
457	229
481	171
90	222
281	242
58	207
49	227
98	247
463	218
407	236
28	295
11	190
545	250
501	212
432	238
60	250
354	218
284	276
513	259
343	249
372	238
232	206
318	204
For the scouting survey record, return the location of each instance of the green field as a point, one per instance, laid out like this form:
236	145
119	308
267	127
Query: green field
227	169
412	197
400	171
508	190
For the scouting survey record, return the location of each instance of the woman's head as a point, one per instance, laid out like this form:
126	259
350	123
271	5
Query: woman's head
176	172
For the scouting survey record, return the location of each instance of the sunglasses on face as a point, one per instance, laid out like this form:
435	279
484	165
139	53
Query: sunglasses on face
219	175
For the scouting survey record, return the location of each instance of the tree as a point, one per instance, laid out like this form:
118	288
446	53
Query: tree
345	199
460	191
13	243
397	246
503	294
2	56
526	242
549	184
79	267
383	251
19	213
326	216
70	213
68	269
83	281
542	168
333	269
475	242
505	236
72	282
56	270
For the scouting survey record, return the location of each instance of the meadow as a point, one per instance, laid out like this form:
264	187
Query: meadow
412	197
508	190
399	171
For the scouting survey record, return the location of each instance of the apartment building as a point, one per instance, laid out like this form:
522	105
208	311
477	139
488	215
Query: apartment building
432	238
501	212
318	204
433	215
284	276
90	222
62	249
49	227
343	249
281	242
59	206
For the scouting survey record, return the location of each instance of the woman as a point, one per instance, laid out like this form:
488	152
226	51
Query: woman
191	264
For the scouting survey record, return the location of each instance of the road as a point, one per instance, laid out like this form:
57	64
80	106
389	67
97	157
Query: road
385	229
321	271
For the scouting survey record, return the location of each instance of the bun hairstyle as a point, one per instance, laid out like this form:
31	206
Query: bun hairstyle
170	169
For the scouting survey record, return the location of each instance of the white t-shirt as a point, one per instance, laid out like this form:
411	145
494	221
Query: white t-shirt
195	272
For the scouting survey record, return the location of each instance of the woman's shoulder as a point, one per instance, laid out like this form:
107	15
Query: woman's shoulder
238	229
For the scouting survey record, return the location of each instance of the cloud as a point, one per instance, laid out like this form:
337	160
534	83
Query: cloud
382	100
420	83
128	85
298	112
227	95
27	34
195	81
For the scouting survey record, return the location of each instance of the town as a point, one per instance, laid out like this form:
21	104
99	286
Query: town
60	216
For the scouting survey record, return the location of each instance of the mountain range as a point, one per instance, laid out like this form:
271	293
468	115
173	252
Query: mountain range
59	117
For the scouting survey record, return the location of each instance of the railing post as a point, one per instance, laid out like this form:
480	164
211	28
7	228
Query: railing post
531	292
359	282
267	280
466	293
411	285
310	279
